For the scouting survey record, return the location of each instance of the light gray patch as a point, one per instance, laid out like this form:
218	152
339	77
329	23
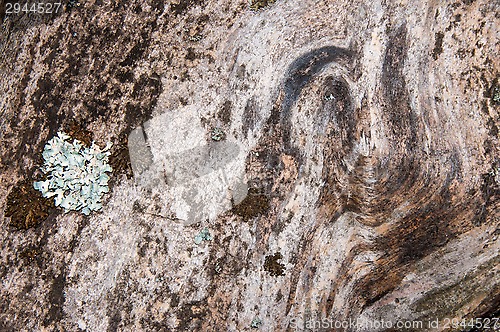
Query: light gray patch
199	161
141	157
250	116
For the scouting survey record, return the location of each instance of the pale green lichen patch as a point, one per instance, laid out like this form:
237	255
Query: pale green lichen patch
256	323
496	95
204	235
329	97
75	175
217	134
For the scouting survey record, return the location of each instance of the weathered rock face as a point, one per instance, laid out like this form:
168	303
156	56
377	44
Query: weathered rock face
367	133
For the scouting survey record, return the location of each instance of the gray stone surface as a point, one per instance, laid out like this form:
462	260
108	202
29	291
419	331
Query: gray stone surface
366	132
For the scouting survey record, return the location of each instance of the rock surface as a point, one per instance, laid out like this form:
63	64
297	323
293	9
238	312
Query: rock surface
366	132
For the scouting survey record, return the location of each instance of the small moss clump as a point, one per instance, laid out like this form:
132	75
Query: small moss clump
274	267
78	132
30	254
26	206
253	205
258	4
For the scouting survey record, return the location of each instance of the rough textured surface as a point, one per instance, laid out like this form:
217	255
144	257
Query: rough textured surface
367	132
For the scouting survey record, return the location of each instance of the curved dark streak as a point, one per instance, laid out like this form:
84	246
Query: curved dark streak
305	67
300	73
395	93
342	109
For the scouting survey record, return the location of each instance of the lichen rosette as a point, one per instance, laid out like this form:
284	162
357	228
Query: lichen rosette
75	175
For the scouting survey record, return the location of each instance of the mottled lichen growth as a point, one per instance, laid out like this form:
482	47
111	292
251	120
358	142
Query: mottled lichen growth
274	267
456	296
